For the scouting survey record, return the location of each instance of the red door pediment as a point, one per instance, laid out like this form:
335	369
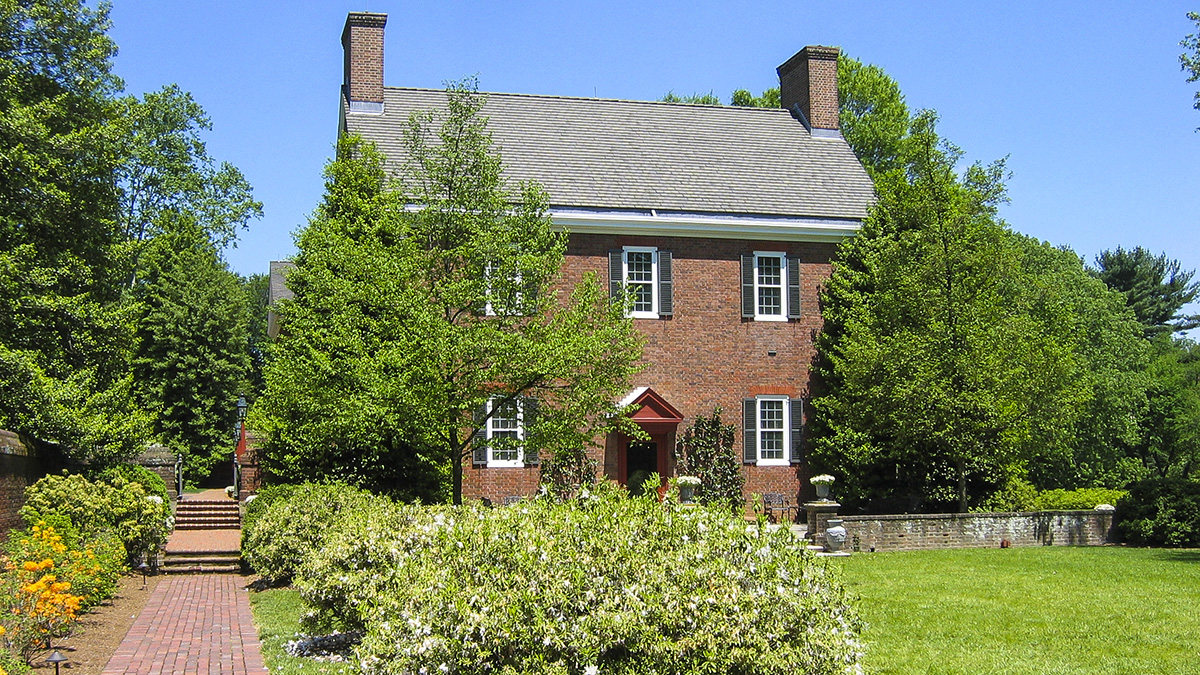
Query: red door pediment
651	407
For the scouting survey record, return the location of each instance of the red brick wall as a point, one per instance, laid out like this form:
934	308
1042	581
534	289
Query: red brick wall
706	355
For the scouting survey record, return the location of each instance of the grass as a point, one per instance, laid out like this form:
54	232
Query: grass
1017	611
277	615
1047	611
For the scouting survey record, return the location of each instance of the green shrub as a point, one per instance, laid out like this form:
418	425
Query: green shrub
133	473
1161	512
604	583
279	538
706	450
142	521
1075	500
258	503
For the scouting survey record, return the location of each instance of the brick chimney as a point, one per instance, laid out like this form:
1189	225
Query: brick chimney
808	88
362	44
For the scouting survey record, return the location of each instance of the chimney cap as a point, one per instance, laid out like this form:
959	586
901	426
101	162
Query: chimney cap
364	20
809	53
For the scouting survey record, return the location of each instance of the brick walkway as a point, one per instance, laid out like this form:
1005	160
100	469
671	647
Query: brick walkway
192	625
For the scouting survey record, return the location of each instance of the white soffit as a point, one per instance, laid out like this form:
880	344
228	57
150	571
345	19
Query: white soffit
696	225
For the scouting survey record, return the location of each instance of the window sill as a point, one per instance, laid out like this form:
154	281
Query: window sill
507	464
770	317
772	462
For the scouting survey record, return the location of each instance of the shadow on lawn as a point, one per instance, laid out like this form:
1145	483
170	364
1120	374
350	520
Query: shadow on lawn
1186	555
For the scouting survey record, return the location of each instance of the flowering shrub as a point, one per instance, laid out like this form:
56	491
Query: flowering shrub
92	567
142	521
281	536
45	584
601	584
132	473
261	501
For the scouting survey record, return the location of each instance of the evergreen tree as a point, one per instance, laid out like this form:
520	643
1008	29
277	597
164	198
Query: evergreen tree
1154	287
191	360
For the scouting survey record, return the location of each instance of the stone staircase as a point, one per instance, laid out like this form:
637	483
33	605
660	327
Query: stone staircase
206	538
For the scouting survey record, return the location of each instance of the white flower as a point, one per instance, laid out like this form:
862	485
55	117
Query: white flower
823	478
1106	508
688	480
591	670
154	498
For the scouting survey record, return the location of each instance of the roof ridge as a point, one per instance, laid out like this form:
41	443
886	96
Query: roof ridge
720	106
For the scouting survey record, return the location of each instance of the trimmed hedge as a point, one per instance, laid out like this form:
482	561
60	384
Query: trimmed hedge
1161	512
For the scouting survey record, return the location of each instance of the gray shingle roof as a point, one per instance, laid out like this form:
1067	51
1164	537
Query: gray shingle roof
613	154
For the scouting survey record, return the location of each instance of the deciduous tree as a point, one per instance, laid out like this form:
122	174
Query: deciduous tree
951	356
417	303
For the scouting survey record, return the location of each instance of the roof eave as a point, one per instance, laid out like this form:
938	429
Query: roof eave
817	230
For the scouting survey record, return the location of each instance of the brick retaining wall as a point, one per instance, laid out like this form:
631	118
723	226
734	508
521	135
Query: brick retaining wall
967	530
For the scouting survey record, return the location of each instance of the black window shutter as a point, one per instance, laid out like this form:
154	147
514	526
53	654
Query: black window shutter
529	298
616	276
749	426
793	267
666	299
479	450
529	411
748	286
796	410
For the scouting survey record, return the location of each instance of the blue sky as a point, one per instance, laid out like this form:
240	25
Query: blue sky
1085	99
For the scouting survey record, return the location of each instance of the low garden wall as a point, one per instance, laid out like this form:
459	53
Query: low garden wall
967	530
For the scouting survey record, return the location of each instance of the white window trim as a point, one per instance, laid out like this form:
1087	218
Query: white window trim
493	463
783	287
654	306
787	431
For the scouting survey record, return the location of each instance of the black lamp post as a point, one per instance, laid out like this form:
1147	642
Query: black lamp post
143	568
241	422
56	658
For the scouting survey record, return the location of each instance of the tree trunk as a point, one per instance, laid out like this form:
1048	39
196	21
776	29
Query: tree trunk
457	473
961	466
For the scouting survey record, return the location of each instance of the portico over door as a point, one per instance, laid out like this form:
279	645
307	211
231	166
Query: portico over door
637	458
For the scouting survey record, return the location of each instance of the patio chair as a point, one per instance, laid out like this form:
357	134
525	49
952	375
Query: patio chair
777	506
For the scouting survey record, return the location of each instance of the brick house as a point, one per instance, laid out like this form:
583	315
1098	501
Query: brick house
723	221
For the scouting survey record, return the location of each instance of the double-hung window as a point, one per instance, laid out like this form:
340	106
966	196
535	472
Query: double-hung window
641	277
505	296
772	430
504	433
644	272
500	439
770	286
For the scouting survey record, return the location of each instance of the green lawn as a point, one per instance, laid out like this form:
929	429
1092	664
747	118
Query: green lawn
1040	611
277	615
